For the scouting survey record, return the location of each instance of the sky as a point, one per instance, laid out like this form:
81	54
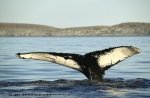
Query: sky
74	13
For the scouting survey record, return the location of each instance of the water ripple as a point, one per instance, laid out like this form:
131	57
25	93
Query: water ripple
71	86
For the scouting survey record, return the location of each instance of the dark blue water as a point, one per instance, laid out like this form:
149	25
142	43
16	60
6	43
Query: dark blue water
128	79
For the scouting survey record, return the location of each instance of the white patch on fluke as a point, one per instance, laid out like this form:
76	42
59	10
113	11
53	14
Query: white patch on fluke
67	62
51	58
115	55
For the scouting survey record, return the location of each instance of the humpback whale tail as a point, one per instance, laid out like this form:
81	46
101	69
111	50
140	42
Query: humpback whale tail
93	65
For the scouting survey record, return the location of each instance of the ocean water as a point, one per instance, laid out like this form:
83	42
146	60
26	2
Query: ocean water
31	78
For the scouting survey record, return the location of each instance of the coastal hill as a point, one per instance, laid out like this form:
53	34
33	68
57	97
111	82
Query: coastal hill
33	30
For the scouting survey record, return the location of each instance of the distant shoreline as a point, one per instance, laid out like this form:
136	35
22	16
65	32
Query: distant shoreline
33	30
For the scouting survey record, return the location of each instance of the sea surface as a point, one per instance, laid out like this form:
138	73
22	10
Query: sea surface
24	78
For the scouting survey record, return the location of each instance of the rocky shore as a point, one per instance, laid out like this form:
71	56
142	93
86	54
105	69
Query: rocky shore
33	30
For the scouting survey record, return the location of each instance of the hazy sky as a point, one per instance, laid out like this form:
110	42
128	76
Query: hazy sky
69	13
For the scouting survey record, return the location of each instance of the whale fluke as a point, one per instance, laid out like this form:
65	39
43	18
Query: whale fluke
93	65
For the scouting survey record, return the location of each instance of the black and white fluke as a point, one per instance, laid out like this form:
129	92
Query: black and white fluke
93	65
